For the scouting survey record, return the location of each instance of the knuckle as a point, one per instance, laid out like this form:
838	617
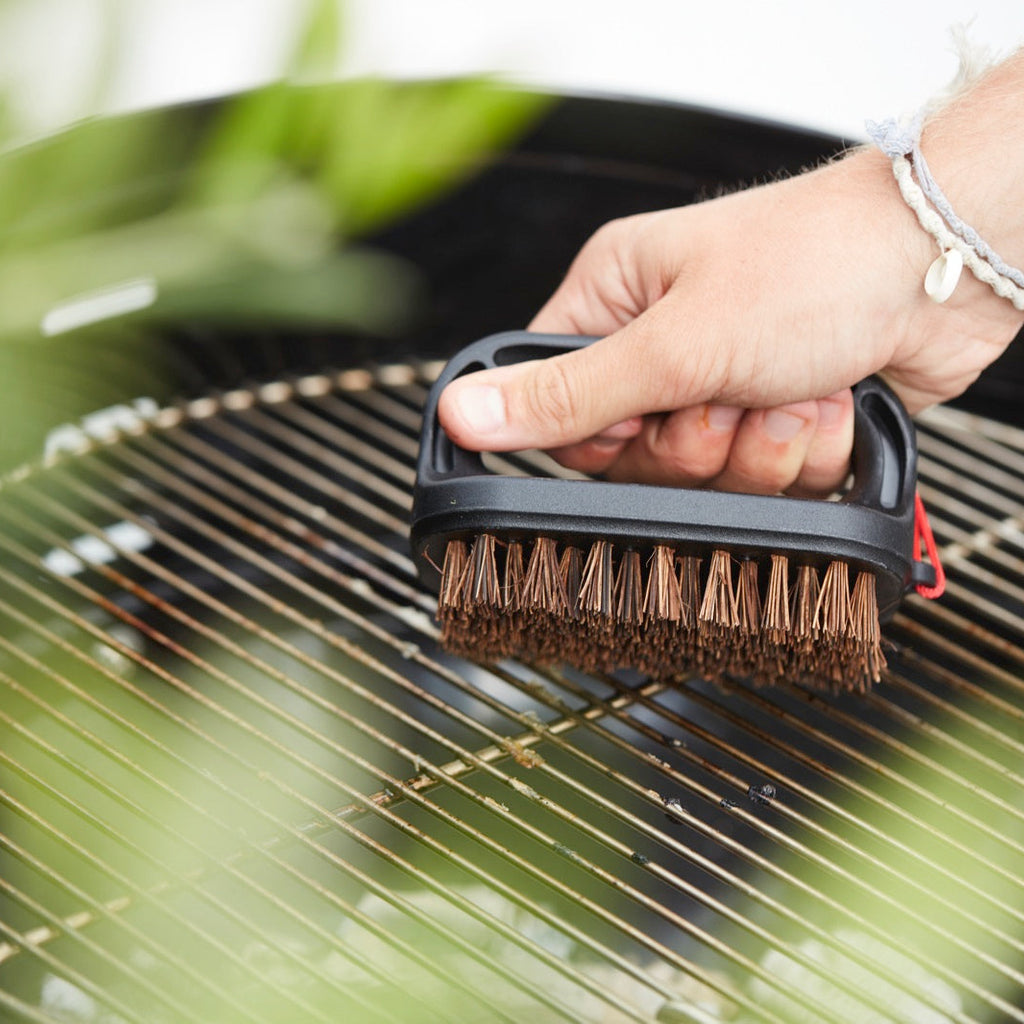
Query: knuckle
688	452
696	465
764	473
682	468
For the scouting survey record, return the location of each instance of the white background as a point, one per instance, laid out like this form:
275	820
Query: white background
818	63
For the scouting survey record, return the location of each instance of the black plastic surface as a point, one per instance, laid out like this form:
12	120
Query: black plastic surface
871	527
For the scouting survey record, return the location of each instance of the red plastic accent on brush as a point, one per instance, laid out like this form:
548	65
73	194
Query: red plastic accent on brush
923	531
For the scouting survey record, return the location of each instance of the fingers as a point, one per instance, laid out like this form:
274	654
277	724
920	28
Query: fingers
686	448
800	448
769	449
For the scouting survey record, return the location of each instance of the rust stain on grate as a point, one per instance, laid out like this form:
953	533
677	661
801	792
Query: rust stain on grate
240	781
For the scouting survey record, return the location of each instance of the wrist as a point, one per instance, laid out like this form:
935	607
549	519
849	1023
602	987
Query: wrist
971	155
932	234
930	351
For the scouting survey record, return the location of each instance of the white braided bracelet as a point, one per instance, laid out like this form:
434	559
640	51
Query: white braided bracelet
944	273
961	247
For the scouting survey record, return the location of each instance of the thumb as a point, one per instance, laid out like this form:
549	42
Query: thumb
554	402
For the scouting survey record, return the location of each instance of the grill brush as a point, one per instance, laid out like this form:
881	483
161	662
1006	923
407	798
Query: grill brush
668	581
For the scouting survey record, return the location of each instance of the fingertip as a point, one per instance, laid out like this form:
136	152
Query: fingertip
473	413
783	425
835	412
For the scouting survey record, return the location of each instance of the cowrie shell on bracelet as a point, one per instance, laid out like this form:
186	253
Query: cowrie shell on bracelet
943	275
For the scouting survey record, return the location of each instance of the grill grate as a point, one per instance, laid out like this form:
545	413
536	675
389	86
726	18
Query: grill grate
241	782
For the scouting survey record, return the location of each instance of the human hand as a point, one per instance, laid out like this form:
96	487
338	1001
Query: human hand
731	333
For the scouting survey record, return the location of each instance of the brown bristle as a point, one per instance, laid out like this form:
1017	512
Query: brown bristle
543	600
775	634
453	567
514	576
663	600
598	582
570	568
718	607
543	589
805	602
717	620
469	604
833	653
832	613
480	582
689	591
629	590
864	626
664	638
775	619
746	657
748	599
601	609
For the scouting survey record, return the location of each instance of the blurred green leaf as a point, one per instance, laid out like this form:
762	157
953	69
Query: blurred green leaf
319	48
394	145
375	148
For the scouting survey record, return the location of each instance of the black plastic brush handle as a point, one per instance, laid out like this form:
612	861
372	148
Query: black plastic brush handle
871	527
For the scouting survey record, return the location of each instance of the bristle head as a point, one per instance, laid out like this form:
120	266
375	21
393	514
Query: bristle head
661	612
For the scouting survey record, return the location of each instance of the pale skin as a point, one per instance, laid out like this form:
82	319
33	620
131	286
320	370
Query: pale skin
732	330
